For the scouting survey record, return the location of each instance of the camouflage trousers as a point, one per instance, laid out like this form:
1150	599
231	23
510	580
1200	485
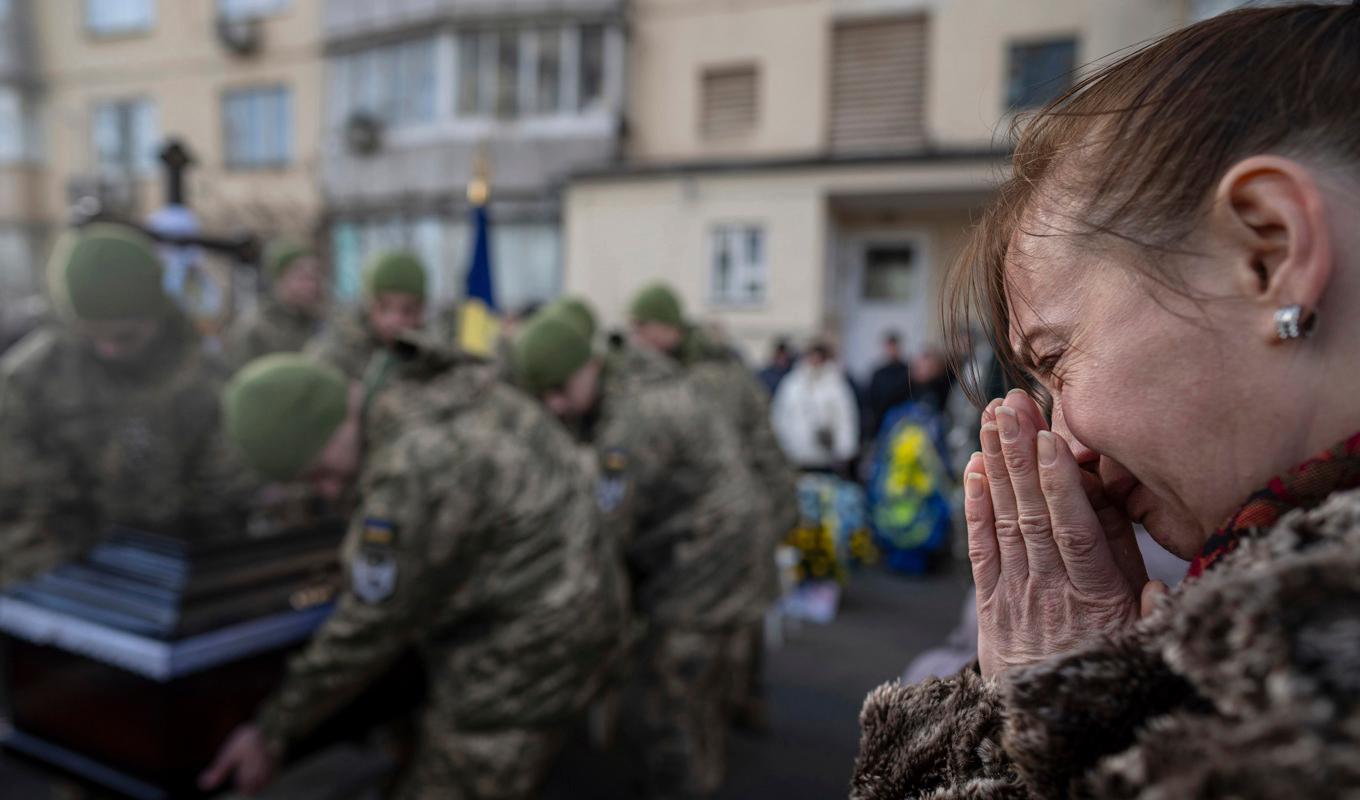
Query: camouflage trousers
685	679
746	676
506	764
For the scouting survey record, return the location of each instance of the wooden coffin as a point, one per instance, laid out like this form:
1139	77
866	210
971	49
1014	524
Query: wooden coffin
129	667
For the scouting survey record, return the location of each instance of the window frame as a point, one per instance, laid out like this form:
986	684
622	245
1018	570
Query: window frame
128	108
272	8
1015	47
231	159
141	28
738	299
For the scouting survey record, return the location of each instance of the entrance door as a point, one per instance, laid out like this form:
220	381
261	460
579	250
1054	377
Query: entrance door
886	288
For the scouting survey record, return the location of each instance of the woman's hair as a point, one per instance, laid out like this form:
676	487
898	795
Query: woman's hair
1134	150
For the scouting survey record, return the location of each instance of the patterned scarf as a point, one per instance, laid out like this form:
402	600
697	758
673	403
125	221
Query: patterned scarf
1304	486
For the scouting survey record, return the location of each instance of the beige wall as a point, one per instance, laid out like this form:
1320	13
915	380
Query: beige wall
789	41
970	42
181	65
623	233
675	40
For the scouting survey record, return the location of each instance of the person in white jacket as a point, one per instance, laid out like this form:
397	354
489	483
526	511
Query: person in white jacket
815	415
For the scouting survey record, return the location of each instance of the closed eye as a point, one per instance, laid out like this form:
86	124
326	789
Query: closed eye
1045	366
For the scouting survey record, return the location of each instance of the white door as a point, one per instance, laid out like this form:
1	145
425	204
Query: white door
886	288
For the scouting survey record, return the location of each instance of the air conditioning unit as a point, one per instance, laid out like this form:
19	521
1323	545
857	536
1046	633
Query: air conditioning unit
103	195
240	34
363	134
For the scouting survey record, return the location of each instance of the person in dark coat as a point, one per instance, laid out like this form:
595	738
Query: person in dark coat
890	384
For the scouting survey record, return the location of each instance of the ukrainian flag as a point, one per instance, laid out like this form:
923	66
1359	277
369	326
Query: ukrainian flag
478	321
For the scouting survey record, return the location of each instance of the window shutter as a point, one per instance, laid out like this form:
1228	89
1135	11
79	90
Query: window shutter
729	101
878	80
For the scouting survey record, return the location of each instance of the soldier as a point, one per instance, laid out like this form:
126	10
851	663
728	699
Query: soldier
288	316
111	415
676	494
578	312
659	324
476	540
394	302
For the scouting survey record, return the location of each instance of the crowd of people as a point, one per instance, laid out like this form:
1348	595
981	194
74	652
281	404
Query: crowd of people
541	526
826	420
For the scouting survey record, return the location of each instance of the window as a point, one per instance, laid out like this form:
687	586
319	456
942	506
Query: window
526	256
18	263
507	74
395	83
518	73
470	59
729	101
126	136
12	126
1040	72
591	92
889	273
738	267
878	78
548	81
113	17
239	9
6	7
258	126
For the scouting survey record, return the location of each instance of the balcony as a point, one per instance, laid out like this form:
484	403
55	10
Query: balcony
346	20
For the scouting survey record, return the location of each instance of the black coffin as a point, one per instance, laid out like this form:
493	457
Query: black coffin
130	667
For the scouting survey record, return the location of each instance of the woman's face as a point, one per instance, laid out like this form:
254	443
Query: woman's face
1162	397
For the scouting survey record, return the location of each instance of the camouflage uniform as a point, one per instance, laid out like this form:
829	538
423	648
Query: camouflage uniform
84	445
270	327
348	344
477	542
720	376
677	494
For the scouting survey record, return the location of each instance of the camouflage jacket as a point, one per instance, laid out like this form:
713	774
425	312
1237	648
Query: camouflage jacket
477	542
678	496
347	343
721	376
84	445
270	327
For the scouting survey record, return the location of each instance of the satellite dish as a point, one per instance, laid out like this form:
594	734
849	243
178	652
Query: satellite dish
239	34
363	134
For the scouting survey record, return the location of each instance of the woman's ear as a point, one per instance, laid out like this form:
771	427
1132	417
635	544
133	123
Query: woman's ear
1280	239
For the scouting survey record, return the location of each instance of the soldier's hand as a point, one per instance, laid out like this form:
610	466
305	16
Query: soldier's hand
247	756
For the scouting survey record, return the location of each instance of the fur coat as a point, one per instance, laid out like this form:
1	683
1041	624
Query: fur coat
1244	682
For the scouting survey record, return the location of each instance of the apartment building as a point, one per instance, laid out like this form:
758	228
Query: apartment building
237	82
810	167
423	93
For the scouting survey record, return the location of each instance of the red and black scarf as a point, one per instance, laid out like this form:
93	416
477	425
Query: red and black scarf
1304	486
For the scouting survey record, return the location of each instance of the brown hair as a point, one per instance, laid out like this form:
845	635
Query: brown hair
1143	141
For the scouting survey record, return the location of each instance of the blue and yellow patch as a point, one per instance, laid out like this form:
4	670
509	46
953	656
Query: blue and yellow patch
379	532
615	461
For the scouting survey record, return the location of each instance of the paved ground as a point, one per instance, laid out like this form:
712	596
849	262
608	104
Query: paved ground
817	682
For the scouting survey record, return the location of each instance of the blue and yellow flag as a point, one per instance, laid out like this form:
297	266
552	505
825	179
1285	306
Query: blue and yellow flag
479	322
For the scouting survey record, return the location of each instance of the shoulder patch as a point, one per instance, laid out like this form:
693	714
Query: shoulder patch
380	532
615	460
613	484
373	572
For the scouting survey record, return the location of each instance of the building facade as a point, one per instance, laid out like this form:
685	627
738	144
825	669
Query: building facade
23	232
237	82
809	168
420	93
